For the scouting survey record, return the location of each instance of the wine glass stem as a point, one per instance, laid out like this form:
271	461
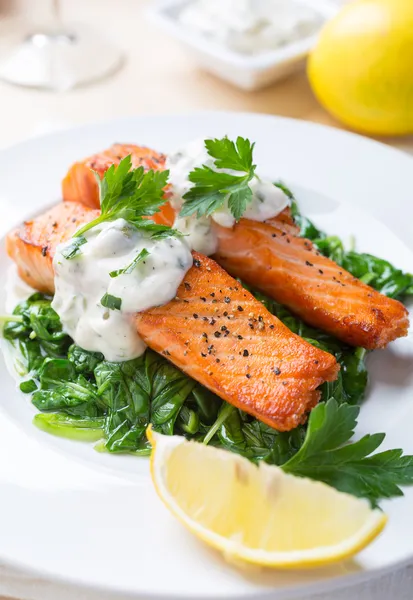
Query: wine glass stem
56	10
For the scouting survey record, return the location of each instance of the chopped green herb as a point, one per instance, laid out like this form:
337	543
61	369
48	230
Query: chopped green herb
73	249
111	302
128	270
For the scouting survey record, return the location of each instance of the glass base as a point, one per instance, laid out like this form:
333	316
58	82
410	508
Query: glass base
59	59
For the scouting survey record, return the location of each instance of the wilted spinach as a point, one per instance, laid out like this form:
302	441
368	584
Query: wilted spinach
80	395
36	330
62	389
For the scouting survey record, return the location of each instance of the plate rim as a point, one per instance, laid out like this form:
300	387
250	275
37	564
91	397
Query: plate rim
206	112
322	586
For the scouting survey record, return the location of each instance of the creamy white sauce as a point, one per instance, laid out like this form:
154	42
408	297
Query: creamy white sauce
251	26
199	234
267	199
82	281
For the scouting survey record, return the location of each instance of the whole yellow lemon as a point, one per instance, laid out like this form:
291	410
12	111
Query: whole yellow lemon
362	67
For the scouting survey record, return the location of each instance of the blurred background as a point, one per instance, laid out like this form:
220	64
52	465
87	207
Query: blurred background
67	62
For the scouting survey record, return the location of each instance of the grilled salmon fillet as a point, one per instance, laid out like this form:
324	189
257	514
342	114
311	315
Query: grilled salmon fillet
272	257
293	272
214	330
80	185
219	334
33	244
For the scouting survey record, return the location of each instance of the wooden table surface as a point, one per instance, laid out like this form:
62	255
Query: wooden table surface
158	76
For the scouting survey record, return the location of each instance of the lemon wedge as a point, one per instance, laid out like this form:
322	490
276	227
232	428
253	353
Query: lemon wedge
259	515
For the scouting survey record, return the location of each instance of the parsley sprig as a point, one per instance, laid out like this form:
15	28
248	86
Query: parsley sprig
213	188
130	194
327	456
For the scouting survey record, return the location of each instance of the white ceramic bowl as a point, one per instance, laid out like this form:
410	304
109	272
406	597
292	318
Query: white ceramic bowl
244	71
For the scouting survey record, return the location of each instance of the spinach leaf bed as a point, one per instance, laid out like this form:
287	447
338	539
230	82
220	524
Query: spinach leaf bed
76	390
80	395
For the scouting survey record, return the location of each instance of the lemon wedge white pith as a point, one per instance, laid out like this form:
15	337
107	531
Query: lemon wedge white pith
259	514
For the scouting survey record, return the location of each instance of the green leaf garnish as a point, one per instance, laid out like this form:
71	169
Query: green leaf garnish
213	188
159	232
353	468
73	249
111	302
129	194
128	270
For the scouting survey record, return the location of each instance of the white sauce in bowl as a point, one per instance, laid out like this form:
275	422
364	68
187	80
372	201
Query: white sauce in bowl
81	283
251	26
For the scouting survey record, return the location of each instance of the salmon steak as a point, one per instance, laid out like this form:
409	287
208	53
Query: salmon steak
214	329
291	270
272	257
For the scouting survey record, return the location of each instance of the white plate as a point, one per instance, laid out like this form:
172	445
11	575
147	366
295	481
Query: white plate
72	515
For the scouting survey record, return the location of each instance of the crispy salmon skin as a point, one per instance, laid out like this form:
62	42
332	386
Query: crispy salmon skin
292	271
214	330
